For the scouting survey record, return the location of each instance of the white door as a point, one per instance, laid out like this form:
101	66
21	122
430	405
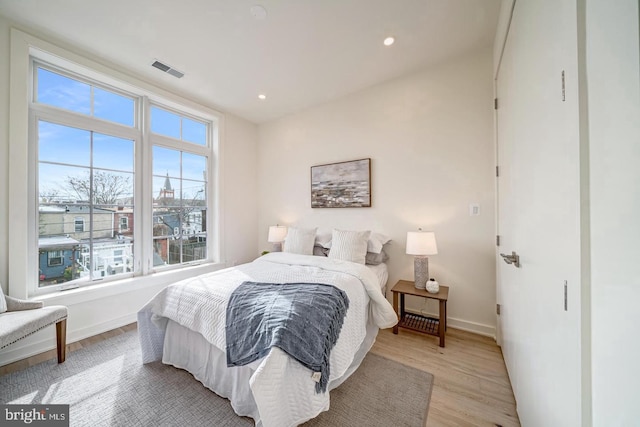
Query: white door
538	212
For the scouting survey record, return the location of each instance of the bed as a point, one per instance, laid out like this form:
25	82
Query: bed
184	326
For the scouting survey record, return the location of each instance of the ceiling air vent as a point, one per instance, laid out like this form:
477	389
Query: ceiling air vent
167	69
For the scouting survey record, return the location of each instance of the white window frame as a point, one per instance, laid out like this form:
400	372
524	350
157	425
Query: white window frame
185	146
124	225
23	180
42	112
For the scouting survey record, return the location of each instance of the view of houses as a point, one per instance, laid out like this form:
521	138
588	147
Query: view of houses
78	241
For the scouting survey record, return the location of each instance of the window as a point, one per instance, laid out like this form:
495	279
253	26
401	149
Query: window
180	203
117	256
85	167
79	224
91	187
173	125
71	94
54	258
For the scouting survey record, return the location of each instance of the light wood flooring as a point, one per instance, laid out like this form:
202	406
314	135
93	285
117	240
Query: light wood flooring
471	386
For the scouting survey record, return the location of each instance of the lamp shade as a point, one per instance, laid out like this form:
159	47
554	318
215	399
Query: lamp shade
277	233
421	243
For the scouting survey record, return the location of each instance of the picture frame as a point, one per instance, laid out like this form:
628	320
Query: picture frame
341	185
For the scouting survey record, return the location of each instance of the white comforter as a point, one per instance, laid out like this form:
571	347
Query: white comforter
282	388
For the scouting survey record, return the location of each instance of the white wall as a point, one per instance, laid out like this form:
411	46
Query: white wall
117	305
613	77
430	138
241	190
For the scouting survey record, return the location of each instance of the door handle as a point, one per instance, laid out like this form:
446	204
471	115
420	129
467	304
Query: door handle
514	259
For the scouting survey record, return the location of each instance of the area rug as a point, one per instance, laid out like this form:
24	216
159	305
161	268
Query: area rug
105	384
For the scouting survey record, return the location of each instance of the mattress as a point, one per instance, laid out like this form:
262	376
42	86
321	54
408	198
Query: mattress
382	273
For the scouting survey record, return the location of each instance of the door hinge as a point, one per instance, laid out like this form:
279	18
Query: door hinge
565	295
563	87
497	240
495	103
497	171
498	309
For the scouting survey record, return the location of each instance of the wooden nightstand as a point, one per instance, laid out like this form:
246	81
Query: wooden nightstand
417	322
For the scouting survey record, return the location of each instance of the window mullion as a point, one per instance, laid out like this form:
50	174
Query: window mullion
144	185
69	118
92	254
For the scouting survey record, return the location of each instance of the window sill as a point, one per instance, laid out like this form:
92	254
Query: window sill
103	290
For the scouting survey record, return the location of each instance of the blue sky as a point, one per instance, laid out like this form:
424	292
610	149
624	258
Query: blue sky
72	147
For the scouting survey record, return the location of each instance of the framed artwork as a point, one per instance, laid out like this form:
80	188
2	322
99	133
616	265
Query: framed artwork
341	185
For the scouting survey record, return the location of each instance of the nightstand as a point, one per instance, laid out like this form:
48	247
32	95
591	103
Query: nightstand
417	322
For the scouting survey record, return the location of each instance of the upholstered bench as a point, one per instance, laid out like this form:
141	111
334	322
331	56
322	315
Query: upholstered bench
23	318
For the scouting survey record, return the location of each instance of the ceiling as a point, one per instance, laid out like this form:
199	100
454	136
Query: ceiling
303	53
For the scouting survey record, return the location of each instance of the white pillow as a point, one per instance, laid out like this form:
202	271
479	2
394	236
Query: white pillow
376	242
299	240
349	245
3	301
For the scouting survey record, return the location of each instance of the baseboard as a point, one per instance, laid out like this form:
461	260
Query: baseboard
17	352
464	325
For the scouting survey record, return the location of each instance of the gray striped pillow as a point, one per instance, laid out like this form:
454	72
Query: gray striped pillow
349	245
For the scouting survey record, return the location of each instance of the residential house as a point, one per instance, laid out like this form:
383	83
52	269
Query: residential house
67	251
57	257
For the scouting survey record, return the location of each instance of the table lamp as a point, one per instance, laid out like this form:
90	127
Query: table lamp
277	233
420	244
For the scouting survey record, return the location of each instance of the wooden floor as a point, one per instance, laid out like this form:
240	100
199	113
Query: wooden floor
471	386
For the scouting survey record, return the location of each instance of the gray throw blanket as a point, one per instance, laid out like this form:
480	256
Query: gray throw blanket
302	319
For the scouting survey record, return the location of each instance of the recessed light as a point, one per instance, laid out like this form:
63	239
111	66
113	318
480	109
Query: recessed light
262	96
258	12
389	41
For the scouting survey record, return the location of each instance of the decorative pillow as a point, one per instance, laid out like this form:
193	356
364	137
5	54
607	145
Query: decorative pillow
3	301
323	240
320	251
375	259
349	245
376	242
299	240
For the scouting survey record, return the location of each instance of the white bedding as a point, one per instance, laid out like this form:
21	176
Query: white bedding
382	273
199	304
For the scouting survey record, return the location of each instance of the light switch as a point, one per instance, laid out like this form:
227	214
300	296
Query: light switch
474	209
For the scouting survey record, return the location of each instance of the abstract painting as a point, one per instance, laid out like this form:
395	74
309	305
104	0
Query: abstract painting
341	185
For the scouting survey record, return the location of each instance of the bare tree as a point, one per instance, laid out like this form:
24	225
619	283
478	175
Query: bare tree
49	196
107	187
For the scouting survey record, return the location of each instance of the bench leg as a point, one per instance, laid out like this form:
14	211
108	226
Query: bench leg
61	339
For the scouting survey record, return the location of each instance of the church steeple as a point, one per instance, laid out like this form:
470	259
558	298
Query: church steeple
166	192
167	183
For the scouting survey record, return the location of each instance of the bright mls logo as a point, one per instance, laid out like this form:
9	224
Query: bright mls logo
34	415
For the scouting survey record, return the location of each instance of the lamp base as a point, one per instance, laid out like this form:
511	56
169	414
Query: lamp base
420	271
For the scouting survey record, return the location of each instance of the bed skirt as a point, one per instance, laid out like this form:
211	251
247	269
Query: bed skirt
188	350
